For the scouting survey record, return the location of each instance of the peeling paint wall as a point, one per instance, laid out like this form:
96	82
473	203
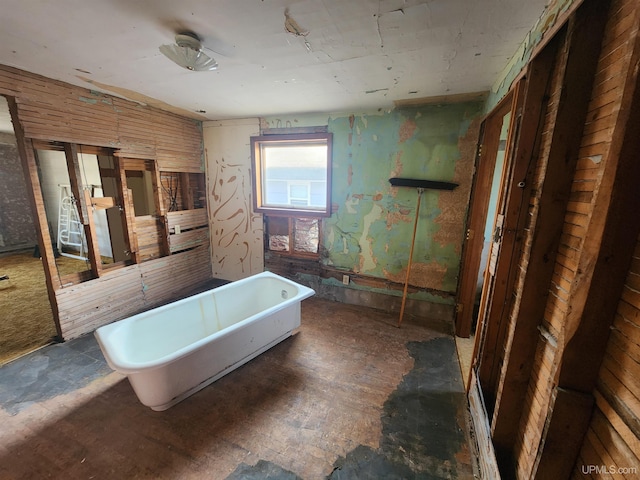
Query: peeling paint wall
371	226
370	229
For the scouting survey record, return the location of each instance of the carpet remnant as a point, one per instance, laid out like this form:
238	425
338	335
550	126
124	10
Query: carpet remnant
26	320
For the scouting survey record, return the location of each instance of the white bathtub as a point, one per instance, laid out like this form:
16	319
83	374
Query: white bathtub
173	351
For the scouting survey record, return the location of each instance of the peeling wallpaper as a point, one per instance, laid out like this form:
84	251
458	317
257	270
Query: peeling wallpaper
371	226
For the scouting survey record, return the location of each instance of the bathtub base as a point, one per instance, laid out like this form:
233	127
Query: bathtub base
209	381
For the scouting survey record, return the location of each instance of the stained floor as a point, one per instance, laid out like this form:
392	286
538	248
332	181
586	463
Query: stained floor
348	396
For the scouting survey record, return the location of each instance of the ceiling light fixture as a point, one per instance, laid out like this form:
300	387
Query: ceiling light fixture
187	52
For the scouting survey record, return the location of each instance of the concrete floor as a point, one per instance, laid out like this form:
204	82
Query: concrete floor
349	396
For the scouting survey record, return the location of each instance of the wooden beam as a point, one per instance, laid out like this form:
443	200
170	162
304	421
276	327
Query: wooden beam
577	65
36	202
605	256
83	200
75	179
128	216
163	223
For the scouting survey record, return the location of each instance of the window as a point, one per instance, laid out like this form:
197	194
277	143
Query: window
292	174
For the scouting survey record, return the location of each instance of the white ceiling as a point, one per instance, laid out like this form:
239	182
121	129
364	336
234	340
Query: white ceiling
362	55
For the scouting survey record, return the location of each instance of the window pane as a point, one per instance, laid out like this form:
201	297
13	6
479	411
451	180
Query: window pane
289	171
292	174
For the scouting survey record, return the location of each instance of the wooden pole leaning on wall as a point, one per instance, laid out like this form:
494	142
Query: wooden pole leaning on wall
421	185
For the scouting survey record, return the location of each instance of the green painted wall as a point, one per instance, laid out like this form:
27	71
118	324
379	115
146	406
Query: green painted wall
370	230
372	223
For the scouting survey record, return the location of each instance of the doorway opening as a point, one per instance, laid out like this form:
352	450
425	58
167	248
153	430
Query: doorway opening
26	318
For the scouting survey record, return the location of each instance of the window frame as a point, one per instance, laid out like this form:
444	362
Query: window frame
257	180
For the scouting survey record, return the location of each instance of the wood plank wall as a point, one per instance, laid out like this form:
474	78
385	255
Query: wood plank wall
51	110
618	439
85	306
613	438
538	396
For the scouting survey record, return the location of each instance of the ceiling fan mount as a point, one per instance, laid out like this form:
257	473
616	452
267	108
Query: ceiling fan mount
188	53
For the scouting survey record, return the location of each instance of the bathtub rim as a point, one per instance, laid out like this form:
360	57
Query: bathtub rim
103	333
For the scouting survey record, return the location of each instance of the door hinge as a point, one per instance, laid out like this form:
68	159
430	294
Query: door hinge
469	235
459	307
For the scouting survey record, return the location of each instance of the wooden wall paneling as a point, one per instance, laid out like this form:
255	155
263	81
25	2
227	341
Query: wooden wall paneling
564	437
618	389
124	292
83	202
187	269
187	229
187	219
52	111
149	237
88	305
575	70
606	252
189	239
627	430
487	462
27	156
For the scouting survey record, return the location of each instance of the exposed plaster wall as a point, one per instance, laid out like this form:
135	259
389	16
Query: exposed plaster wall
369	232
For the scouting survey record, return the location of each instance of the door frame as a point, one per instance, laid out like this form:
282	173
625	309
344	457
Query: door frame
488	146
